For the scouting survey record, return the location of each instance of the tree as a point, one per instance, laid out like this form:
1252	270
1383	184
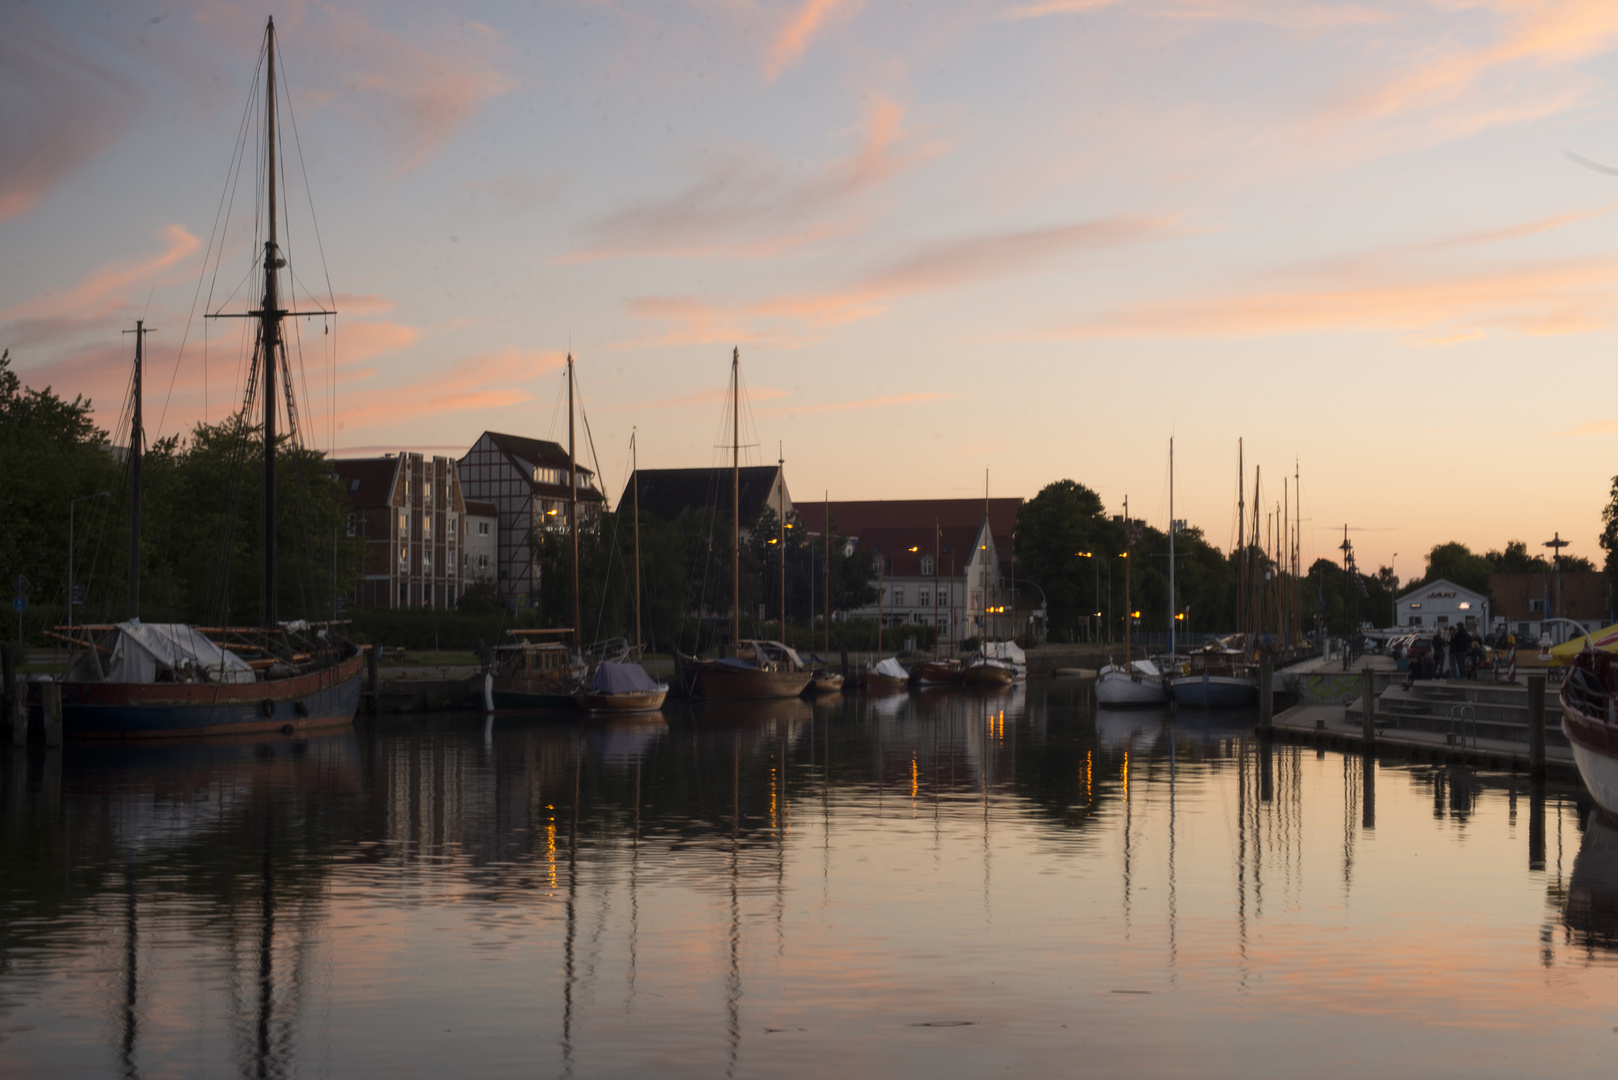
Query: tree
1065	518
1609	531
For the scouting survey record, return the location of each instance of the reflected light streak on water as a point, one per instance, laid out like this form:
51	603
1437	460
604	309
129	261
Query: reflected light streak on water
940	883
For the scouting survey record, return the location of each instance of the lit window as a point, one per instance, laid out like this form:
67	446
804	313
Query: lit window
351	524
404	521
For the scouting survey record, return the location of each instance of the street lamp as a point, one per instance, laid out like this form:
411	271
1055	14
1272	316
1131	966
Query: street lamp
1097	564
71	505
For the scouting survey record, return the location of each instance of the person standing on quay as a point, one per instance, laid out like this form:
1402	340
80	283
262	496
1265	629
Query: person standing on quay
1438	653
1460	645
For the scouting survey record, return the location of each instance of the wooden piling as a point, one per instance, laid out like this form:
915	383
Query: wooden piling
17	717
1368	700
1536	725
1266	695
371	677
51	697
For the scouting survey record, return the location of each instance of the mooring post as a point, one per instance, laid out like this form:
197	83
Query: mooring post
17	716
51	697
1536	725
1368	700
1266	694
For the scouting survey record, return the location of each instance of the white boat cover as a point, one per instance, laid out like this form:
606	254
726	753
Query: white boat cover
1147	668
1005	650
890	668
621	678
142	648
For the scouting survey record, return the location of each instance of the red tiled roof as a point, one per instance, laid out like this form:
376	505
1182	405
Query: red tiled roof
853	518
366	481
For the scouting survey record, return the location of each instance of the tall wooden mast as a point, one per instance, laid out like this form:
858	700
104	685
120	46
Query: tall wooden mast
573	507
781	533
735	500
137	437
826	535
634	470
270	332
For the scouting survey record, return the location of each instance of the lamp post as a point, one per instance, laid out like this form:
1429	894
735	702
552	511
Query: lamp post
1393	589
1044	605
72	504
1097	565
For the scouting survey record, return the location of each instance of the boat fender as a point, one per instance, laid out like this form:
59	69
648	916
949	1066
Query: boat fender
286	729
267	708
300	708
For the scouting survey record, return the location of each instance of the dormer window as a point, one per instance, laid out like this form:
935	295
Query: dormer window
927	565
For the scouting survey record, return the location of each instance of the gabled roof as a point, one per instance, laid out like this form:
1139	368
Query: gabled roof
1439	585
367	481
957	543
534	452
478	508
669	492
854	517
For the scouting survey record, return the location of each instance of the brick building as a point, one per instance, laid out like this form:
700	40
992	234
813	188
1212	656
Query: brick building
409	513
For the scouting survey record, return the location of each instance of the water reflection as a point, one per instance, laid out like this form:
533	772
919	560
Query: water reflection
786	887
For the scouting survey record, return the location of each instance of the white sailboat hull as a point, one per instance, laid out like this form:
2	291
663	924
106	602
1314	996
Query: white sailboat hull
1116	686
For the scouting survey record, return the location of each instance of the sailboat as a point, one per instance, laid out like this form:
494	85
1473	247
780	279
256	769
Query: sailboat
526	672
757	668
1224	675
140	680
1139	682
883	675
623	686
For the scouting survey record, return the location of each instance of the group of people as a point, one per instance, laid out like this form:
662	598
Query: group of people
1456	654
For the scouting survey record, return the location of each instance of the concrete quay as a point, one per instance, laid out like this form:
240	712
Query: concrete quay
1479	723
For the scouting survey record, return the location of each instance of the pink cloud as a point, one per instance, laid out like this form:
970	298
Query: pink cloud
746	207
864	403
105	287
800	30
788	320
485	381
61	110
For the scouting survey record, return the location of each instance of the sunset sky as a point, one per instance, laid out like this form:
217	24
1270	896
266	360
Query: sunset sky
1373	239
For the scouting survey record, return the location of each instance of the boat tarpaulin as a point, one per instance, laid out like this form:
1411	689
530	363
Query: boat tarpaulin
1146	668
142	650
1005	650
620	678
890	667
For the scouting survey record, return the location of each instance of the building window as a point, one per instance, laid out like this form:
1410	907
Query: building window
483	528
404	594
404	557
1415	620
1522	629
1536	607
427	524
404	522
449	597
924	598
926	566
351	524
483	562
898	596
426	562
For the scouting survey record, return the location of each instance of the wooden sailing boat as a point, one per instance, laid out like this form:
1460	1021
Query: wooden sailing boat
142	680
758	669
623	686
1223	675
529	673
1138	682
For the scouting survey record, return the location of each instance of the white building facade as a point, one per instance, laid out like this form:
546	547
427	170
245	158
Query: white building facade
1443	603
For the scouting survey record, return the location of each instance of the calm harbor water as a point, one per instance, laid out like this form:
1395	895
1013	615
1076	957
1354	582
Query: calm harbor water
947	885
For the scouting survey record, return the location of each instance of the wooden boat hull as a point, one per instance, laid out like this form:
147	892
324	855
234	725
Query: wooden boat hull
632	702
885	684
938	674
825	682
725	682
326	698
1590	722
985	676
511	694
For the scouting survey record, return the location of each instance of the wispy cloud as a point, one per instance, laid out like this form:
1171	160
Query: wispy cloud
489	380
790	319
1593	427
749	207
850	406
61	109
1552	297
804	25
